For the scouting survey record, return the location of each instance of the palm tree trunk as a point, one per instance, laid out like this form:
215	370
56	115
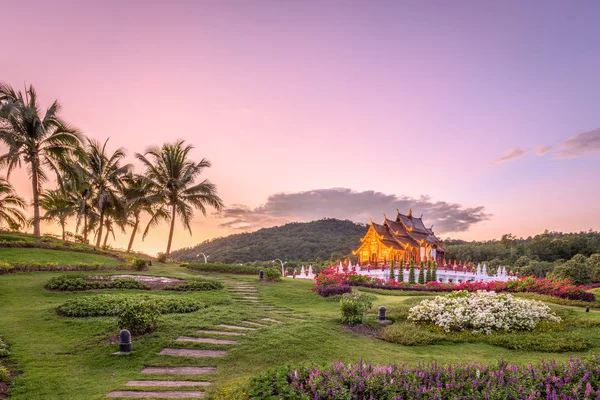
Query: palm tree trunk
106	236
62	225
99	235
85	227
171	231
135	227
36	199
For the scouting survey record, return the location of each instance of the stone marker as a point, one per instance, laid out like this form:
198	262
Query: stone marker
381	317
261	274
125	345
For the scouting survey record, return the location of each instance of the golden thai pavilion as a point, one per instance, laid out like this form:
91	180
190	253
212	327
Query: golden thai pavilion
403	239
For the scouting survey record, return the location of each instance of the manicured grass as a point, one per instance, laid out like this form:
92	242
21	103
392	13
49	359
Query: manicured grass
69	358
59	257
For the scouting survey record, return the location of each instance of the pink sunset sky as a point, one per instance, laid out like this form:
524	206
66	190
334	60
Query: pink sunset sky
484	116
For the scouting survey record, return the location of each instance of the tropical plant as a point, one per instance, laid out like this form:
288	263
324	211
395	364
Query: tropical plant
422	273
39	140
11	206
59	206
141	196
105	175
174	176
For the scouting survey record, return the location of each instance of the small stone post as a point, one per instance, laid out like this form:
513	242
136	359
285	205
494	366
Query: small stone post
125	345
261	274
381	316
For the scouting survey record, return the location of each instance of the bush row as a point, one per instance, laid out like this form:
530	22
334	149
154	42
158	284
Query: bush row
74	283
575	379
52	245
195	284
327	291
225	268
111	304
34	267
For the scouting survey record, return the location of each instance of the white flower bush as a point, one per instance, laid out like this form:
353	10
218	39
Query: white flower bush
481	312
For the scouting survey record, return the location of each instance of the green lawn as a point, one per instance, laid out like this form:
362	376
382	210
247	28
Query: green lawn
67	358
60	257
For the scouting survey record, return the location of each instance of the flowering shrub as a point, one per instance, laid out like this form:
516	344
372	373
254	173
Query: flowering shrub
547	380
560	288
327	291
481	312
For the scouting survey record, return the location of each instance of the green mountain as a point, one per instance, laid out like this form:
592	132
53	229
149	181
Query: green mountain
299	241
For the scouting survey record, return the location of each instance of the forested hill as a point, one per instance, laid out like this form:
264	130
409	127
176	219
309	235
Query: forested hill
308	241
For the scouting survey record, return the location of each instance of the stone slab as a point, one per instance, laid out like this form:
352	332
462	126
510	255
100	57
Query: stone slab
243	328
192	353
271	320
204	340
155	395
179	370
220	332
166	384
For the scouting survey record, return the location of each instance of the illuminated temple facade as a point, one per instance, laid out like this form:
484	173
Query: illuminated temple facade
402	239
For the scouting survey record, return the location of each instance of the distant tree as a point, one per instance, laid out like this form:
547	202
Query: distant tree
428	276
576	269
422	273
434	271
411	273
40	140
11	206
174	174
392	272
59	207
594	262
401	272
539	269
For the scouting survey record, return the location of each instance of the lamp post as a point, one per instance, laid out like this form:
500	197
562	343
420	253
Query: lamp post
282	262
205	257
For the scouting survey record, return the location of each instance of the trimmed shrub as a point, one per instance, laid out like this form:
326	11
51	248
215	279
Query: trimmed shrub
162	258
195	284
354	307
140	264
75	283
4	375
272	275
5	267
327	291
138	318
110	305
128	283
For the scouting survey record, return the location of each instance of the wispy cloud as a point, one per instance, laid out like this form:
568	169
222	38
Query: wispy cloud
579	145
541	150
510	155
345	203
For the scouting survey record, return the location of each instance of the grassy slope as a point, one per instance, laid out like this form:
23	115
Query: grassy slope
70	358
45	256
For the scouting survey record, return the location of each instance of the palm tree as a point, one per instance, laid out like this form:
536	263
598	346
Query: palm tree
59	206
40	140
104	175
174	176
11	206
142	196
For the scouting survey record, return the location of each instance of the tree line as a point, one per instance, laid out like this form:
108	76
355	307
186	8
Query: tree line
95	187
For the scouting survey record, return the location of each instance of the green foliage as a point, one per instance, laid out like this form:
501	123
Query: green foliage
576	269
139	264
196	284
392	271
4	352
354	307
111	304
74	283
272	275
594	262
4	374
422	274
138	318
411	273
306	242
433	271
428	276
162	257
5	267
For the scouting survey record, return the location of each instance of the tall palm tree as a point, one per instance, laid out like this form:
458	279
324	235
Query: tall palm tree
142	196
104	174
59	206
11	206
38	139
174	175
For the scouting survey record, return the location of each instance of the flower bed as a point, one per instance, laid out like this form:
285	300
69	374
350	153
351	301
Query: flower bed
481	312
547	380
548	286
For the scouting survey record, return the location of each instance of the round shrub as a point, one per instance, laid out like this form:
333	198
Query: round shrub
139	264
138	318
272	275
354	307
111	304
71	283
162	258
481	312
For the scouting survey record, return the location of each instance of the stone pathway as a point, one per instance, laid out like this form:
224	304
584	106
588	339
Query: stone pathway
243	293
